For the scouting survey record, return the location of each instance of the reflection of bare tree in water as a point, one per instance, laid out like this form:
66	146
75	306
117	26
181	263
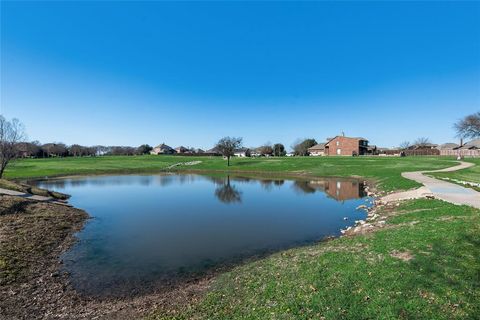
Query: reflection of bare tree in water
303	186
228	193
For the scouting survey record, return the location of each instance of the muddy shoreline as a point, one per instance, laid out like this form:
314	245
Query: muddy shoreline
33	235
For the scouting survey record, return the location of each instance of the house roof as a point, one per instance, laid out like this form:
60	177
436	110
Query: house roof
163	146
448	145
213	150
424	145
356	138
320	146
474	144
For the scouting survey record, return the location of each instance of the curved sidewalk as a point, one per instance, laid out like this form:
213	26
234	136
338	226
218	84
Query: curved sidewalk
439	189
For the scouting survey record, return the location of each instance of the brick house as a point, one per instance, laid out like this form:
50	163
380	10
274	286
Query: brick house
346	146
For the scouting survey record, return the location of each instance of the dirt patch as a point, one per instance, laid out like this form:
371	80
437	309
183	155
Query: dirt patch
402	255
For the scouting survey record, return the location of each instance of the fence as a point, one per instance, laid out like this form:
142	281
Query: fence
461	152
422	152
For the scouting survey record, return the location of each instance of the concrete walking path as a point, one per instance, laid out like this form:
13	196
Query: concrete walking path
32	196
439	189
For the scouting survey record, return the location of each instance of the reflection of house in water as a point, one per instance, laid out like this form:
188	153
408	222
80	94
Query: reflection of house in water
338	189
344	190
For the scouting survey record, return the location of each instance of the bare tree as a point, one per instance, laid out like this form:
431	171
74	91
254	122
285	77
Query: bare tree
405	145
75	150
422	142
469	127
227	146
144	149
265	150
300	147
11	134
55	149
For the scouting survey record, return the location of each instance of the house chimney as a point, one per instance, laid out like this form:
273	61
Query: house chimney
461	142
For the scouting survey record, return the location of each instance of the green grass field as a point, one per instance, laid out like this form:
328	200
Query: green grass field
470	175
386	171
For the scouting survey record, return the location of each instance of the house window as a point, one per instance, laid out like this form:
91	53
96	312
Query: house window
338	143
339	151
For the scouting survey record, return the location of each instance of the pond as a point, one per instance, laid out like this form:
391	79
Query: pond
152	231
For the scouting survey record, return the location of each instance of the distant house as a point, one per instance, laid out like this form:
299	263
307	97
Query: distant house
22	150
243	152
181	149
162	149
471	145
213	152
448	146
469	149
290	154
255	152
317	150
425	149
388	151
372	150
346	146
424	146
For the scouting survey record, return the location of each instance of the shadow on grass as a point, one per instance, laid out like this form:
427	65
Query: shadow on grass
450	273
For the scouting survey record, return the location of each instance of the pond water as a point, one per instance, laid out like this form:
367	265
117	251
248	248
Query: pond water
150	231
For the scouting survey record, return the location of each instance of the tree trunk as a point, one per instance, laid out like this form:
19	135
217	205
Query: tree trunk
228	162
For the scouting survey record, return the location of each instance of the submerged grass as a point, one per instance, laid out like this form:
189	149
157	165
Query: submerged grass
424	265
385	170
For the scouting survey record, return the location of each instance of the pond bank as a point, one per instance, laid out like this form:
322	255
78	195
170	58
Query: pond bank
33	235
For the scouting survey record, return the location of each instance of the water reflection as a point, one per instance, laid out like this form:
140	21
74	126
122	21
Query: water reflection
339	189
155	228
228	187
227	193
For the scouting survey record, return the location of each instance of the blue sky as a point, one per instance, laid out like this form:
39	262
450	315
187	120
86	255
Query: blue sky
127	73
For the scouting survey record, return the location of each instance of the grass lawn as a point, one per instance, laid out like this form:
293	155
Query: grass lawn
469	175
386	171
425	264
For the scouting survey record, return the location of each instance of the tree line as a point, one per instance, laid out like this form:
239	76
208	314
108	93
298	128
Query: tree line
37	150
